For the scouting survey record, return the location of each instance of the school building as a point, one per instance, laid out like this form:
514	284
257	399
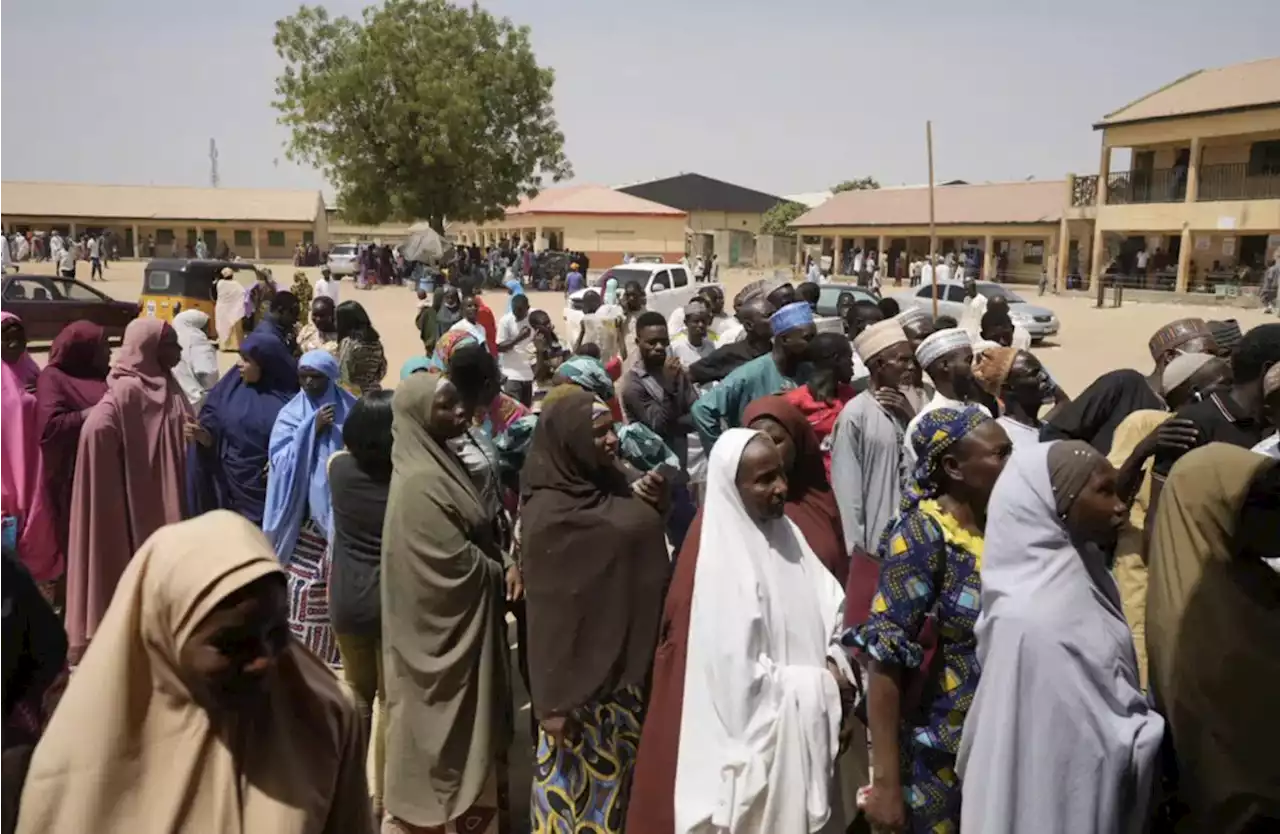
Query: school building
258	224
602	223
1189	176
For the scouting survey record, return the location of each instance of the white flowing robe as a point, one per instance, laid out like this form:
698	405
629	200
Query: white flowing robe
760	729
1059	739
229	309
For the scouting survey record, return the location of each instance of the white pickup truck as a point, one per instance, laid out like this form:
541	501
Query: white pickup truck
666	288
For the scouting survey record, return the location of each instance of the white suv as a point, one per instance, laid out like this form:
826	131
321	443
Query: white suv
344	259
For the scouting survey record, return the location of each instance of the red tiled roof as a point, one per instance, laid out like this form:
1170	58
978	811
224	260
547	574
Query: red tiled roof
990	203
590	199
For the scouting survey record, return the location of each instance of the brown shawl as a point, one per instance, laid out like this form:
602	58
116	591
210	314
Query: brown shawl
442	624
595	566
1212	637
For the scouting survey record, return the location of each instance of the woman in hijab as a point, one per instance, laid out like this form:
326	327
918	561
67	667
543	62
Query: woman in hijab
595	570
25	502
35	666
227	468
72	383
302	289
243	730
922	679
444	638
297	518
448	310
811	505
361	361
611	290
741	730
197	371
230	311
130	475
359	479
1056	653
1212	632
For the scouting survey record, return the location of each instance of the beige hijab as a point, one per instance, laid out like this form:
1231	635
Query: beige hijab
1212	637
442	625
129	752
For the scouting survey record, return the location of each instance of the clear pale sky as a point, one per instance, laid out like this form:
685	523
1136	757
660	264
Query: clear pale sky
781	96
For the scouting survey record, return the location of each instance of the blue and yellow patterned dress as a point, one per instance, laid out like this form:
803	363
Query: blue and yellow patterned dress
930	565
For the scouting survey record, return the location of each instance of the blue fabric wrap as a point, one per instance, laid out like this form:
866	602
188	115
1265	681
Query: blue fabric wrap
298	483
794	315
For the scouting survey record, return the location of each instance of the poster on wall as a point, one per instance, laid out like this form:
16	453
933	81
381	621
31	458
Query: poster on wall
1202	243
1229	246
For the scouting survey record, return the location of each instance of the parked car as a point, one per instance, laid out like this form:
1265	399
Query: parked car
827	320
47	303
1040	322
344	259
666	287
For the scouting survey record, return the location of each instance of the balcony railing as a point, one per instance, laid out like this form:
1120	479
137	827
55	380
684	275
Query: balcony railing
1084	190
1235	181
1162	185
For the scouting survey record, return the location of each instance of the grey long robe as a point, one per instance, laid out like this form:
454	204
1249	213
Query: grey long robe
1060	738
866	460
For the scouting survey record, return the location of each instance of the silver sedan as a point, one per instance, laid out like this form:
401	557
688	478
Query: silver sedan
1040	322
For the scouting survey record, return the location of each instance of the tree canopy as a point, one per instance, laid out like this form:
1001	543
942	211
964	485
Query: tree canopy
778	220
864	184
422	110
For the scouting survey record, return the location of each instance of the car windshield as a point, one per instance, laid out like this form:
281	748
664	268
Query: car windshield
829	297
343	250
996	291
624	275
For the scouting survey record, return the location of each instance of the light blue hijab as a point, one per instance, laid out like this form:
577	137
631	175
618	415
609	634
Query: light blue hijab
514	288
298	480
611	291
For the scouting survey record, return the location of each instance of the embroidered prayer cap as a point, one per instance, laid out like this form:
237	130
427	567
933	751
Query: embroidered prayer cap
910	316
879	337
1226	333
1181	367
796	314
1271	382
1177	333
940	344
992	369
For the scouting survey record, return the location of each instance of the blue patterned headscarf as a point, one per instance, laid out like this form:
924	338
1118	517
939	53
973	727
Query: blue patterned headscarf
937	431
589	373
796	314
417	364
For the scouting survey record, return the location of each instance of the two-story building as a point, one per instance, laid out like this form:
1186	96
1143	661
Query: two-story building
1187	194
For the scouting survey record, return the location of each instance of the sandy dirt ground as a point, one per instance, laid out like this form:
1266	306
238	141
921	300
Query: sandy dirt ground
1090	342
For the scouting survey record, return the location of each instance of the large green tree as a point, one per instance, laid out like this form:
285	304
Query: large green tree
421	110
778	220
864	184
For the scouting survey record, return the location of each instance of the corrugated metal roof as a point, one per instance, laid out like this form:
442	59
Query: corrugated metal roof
156	202
698	192
590	199
1252	84
1000	202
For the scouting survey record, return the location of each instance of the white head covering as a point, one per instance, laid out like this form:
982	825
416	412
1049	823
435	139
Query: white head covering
911	315
939	344
759	732
197	371
1182	367
1055	652
877	338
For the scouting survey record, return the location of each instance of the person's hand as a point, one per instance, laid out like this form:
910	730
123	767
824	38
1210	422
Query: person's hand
1175	436
895	402
525	332
672	368
561	730
651	488
191	430
885	811
515	583
324	419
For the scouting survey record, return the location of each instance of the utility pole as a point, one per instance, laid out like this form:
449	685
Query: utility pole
213	163
933	229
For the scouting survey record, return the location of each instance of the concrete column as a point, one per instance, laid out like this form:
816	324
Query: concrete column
799	251
988	258
137	242
257	243
71	229
1184	253
1064	253
837	248
1193	173
537	239
881	242
1096	254
1104	171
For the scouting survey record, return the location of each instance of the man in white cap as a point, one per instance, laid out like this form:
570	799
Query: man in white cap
867	440
947	357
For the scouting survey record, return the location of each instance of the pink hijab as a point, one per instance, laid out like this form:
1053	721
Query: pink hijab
130	476
23	470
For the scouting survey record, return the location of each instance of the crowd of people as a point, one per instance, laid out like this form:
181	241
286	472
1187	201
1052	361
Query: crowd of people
762	579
